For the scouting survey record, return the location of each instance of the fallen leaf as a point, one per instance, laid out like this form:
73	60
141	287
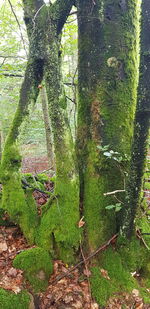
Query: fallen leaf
68	299
135	292
87	272
139	306
94	306
81	222
12	272
3	246
104	274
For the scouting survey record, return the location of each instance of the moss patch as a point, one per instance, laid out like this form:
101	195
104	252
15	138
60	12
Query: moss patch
37	266
10	300
119	264
58	231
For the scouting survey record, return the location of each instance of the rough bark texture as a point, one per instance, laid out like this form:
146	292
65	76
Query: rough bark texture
48	132
141	129
108	65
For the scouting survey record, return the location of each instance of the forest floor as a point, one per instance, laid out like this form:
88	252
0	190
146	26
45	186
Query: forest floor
72	290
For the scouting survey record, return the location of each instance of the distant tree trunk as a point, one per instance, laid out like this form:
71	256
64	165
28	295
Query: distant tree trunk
0	145
141	129
1	140
108	75
48	133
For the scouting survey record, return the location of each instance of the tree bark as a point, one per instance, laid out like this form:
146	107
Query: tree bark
141	129
48	132
63	215
108	75
14	199
59	223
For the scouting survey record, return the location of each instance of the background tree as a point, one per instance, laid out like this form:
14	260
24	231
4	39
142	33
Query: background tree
141	132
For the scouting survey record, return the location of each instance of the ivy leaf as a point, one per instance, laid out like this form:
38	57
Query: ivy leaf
107	154
110	207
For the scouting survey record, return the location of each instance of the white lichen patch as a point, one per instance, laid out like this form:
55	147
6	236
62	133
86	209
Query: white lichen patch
112	62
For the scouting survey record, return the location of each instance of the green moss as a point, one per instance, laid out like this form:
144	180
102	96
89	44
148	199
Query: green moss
144	225
37	266
9	300
20	207
120	278
99	179
108	77
59	230
133	253
130	257
42	178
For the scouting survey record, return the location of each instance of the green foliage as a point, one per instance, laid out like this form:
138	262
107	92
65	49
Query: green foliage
9	300
111	154
116	207
37	266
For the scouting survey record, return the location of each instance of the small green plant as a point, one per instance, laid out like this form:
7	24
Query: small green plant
111	154
116	207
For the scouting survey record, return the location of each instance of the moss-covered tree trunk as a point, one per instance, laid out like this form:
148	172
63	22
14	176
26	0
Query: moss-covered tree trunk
58	227
108	75
63	216
48	133
141	130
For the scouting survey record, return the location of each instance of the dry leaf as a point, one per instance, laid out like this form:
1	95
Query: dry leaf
12	272
135	292
68	299
94	306
139	306
104	274
3	246
87	272
81	222
16	289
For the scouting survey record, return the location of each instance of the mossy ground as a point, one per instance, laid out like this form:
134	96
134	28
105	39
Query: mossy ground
119	264
10	300
37	266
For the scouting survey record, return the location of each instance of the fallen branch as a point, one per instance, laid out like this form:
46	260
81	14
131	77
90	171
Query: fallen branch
102	248
26	184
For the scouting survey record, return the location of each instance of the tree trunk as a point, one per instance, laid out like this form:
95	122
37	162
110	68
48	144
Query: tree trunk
59	223
108	75
141	130
63	216
48	132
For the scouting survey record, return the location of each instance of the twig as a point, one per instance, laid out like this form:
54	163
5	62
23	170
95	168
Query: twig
15	57
75	12
24	182
37	13
113	192
103	247
11	75
70	99
18	25
139	235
